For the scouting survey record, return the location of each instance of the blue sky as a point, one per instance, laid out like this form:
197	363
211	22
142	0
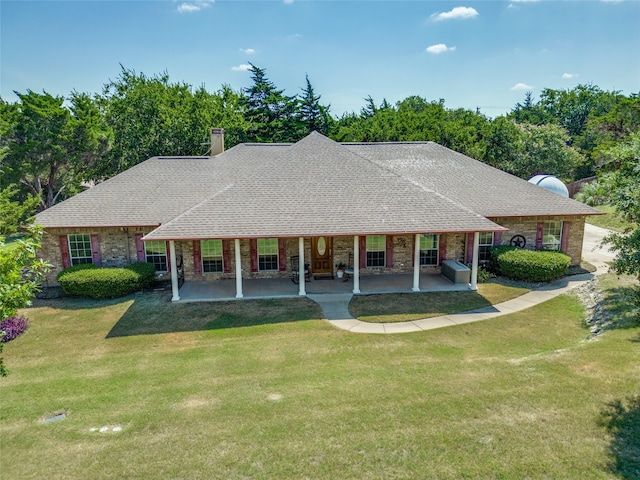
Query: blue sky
484	54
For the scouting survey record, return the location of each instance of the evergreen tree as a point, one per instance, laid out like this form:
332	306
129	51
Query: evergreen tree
270	114
312	115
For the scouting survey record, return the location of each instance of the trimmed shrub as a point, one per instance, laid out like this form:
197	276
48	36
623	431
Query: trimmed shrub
96	282
146	273
13	327
532	266
494	253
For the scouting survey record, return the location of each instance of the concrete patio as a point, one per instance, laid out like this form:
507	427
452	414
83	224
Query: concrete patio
284	287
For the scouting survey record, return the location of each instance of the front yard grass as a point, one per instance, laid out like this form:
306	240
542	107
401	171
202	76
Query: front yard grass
527	395
405	307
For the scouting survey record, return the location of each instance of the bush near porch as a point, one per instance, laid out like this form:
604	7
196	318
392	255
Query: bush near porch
529	265
96	282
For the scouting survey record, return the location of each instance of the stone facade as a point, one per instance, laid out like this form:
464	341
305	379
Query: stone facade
118	248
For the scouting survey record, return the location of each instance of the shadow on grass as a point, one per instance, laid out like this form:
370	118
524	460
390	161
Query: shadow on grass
152	313
622	420
623	303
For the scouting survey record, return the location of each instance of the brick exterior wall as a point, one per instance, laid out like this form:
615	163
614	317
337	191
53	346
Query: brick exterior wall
118	248
527	227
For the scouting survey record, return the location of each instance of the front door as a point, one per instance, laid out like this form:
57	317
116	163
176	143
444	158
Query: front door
322	256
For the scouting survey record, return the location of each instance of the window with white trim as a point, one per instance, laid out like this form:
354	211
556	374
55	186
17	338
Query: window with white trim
80	249
552	235
376	250
267	254
429	249
211	251
156	253
484	246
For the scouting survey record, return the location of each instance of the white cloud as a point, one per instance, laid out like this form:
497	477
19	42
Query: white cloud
195	6
456	13
243	67
288	2
566	76
522	86
439	48
248	51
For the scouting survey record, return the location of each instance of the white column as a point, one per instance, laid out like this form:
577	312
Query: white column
301	277
356	264
174	272
416	264
236	245
474	263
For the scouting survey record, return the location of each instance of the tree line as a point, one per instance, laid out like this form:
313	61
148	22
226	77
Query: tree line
52	147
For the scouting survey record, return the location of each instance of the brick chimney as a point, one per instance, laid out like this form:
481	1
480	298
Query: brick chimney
217	141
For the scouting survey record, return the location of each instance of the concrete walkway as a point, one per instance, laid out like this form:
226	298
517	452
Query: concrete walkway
336	306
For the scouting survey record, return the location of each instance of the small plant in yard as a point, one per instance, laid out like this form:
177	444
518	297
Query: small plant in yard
484	275
13	327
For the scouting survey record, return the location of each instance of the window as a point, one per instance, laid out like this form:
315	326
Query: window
552	235
267	254
211	256
376	250
80	249
484	246
429	249
156	253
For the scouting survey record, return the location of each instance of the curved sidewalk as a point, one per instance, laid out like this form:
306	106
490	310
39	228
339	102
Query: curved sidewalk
336	306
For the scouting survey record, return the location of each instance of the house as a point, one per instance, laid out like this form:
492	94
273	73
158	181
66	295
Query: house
398	207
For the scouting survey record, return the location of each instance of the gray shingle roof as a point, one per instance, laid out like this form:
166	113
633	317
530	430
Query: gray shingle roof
487	190
313	187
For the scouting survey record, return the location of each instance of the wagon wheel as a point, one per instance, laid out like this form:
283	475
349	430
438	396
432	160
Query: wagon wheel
518	241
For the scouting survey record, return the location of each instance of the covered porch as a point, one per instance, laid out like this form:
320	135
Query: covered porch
357	283
283	287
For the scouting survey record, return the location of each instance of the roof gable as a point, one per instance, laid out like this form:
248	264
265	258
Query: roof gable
318	187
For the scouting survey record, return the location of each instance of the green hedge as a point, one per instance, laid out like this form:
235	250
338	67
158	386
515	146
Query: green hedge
97	282
531	266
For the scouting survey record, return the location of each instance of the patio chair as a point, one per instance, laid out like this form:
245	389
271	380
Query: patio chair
348	272
295	270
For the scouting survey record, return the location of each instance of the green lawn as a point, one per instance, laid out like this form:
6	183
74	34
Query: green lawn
228	390
609	221
404	307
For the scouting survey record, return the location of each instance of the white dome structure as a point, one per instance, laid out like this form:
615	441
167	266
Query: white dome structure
551	183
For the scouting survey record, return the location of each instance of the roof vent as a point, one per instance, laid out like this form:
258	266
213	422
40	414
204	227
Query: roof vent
551	183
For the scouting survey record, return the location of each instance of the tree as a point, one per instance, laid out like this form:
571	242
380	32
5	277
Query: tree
504	142
311	114
15	213
51	146
20	275
624	184
545	150
270	113
530	112
572	108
